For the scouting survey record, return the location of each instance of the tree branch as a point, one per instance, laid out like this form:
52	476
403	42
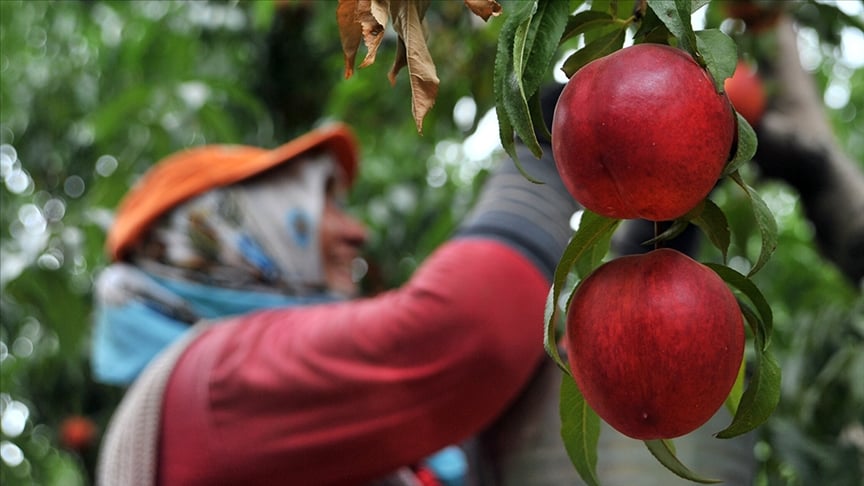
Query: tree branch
797	145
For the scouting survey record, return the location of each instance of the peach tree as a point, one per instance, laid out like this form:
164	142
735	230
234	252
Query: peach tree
596	159
522	50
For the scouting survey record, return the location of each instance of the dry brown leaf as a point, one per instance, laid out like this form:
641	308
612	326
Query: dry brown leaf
350	32
399	62
407	16
372	16
484	8
367	20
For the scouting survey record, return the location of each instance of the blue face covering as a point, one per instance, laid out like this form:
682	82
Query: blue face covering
130	333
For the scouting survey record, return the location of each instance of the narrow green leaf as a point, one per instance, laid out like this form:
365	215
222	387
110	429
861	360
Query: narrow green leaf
712	221
651	29
664	451
580	430
262	15
595	49
676	228
737	391
546	28
550	334
607	6
675	15
764	221
747	143
505	133
759	399
585	21
526	49
831	11
720	54
535	106
594	257
751	291
501	75
535	40
508	142
593	228
755	322
502	61
38	290
515	99
697	4
107	119
522	36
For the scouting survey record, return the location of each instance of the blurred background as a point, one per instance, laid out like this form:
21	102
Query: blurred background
94	92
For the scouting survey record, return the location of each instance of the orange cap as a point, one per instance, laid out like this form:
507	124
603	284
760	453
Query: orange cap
194	171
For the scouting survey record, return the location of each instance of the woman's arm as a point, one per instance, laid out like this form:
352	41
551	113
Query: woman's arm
344	393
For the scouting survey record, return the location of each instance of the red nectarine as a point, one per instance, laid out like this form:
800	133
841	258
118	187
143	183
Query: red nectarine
642	133
747	93
655	342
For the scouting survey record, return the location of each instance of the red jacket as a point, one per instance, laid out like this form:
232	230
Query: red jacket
343	393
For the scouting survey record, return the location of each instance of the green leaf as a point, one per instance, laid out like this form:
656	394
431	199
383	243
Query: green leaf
676	228
515	100
538	27
737	391
593	228
712	221
505	133
651	29
675	15
48	296
594	256
828	11
752	292
585	21
595	49
502	74
720	54
664	451
755	322
535	107
550	335
580	430
764	220
760	398
108	119
546	28
262	15
746	146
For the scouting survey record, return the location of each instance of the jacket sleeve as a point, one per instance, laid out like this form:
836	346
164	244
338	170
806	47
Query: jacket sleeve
343	393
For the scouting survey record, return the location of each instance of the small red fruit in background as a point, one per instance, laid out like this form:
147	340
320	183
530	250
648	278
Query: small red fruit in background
747	93
77	433
642	133
757	15
655	342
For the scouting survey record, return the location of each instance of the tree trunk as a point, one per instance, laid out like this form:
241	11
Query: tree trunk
797	145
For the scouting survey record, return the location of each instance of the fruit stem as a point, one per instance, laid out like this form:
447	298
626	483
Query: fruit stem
656	234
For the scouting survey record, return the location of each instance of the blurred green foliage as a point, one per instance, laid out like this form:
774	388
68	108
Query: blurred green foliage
94	92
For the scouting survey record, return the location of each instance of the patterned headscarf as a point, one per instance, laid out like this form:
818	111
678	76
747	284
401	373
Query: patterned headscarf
234	249
261	234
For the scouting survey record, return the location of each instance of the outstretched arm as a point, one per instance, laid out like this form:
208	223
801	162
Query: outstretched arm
344	393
